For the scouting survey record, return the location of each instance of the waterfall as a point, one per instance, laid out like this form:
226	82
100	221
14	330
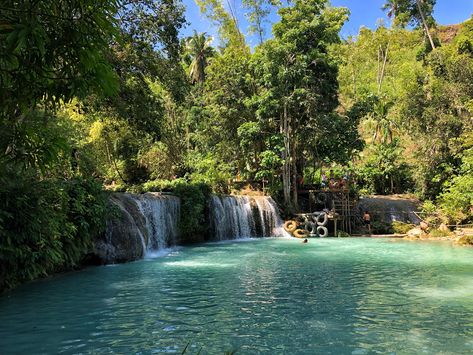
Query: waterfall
139	225
161	214
234	217
388	209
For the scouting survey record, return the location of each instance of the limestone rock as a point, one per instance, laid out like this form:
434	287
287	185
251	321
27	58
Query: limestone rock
125	232
443	228
424	226
415	233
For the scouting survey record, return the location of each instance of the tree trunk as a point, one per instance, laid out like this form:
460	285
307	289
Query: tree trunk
424	22
295	179
286	171
382	55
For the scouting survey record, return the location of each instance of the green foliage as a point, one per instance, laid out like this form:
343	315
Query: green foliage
383	170
342	234
428	207
258	11
54	50
294	97
208	170
437	233
456	200
46	226
193	224
410	11
401	227
199	50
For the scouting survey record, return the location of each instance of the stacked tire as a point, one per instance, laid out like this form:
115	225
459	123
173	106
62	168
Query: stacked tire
313	227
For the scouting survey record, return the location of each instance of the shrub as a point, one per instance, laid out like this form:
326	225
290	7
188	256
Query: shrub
46	225
437	233
466	240
193	224
401	227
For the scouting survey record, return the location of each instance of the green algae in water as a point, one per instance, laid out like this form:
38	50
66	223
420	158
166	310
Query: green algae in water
276	296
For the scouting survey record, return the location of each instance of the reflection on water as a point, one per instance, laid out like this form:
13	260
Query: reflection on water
330	296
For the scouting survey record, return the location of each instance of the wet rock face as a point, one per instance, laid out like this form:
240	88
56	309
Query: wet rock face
142	224
234	217
125	232
387	209
138	224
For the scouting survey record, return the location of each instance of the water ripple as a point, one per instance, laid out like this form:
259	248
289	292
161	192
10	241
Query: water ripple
353	296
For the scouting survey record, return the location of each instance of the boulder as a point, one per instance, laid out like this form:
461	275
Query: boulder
443	228
415	233
125	232
424	226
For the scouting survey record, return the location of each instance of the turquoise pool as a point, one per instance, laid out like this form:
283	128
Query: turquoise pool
275	296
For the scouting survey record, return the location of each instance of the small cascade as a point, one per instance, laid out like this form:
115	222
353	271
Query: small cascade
161	214
234	217
139	225
388	209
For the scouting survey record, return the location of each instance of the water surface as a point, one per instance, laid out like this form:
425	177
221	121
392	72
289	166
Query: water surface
275	296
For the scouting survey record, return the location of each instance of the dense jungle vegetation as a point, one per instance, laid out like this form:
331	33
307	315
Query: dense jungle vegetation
105	95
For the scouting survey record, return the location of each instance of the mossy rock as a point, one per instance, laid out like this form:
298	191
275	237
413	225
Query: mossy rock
465	240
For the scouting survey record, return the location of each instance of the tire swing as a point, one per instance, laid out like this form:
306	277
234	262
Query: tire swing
322	219
300	233
322	231
311	228
290	226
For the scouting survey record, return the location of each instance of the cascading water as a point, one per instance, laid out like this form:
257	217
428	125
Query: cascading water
140	225
161	214
234	217
388	209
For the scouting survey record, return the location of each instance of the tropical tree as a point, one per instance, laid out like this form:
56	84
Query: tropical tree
258	11
199	48
297	79
416	12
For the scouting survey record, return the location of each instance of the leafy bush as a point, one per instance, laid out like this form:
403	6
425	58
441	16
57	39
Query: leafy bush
46	225
466	240
401	227
437	233
193	225
208	170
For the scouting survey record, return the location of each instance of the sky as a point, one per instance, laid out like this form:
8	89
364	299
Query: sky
363	13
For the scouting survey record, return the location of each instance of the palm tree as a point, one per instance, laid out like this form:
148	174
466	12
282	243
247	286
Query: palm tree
198	47
416	10
379	122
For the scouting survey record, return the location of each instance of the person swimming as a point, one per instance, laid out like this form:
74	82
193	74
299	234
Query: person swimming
305	240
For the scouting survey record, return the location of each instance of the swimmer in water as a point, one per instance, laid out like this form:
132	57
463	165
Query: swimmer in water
305	241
